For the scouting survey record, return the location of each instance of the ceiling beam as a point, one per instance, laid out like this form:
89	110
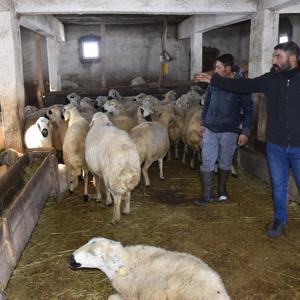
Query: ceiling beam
167	7
44	25
206	23
295	9
278	4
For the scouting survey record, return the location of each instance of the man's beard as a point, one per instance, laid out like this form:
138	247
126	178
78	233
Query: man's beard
284	68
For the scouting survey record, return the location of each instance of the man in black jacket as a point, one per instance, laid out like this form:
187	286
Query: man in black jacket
282	88
221	130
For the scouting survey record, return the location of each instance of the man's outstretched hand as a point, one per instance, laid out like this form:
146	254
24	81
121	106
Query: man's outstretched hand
202	77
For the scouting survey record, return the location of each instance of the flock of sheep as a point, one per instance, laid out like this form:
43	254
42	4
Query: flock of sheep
114	138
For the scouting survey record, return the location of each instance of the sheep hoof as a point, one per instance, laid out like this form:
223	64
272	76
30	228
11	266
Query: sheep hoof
234	175
109	204
125	212
162	178
114	221
85	198
71	192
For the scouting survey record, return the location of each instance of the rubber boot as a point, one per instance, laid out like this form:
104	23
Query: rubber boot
222	181
207	181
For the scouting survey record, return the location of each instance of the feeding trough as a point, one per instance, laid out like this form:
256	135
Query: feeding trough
24	190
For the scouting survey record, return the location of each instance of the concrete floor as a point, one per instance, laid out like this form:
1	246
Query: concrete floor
230	237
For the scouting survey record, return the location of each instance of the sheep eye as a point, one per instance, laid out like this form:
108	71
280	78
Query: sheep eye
50	112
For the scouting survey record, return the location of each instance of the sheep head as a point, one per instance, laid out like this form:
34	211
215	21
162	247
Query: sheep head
100	118
114	94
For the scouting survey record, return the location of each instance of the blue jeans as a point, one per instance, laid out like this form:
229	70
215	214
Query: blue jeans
280	159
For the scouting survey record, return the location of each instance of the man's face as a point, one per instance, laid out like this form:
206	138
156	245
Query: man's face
281	61
220	69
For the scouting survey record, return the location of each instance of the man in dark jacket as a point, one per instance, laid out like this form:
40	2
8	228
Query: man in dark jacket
282	88
221	130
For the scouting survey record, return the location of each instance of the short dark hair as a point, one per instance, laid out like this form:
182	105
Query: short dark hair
290	47
227	60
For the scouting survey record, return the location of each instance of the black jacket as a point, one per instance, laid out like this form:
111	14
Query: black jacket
283	102
222	109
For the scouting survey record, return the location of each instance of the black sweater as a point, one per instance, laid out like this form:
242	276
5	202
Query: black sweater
283	102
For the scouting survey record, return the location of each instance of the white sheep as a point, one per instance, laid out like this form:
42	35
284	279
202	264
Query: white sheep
74	146
145	272
74	99
119	116
139	98
87	109
39	135
100	100
191	135
152	141
29	109
169	97
112	155
9	156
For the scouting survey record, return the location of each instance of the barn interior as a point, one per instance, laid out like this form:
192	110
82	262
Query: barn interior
166	44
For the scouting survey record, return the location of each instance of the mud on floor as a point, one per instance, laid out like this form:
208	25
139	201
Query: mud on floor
230	237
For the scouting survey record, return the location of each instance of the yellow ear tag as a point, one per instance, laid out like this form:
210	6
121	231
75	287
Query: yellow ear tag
121	271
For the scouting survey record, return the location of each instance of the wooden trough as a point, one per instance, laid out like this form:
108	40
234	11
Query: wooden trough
22	198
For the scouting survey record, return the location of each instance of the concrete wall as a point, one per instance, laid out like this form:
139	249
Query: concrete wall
28	56
132	50
295	20
232	39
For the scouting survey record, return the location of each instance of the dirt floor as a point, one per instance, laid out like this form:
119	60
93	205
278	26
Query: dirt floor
230	237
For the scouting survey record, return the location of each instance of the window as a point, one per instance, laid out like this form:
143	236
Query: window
89	49
283	38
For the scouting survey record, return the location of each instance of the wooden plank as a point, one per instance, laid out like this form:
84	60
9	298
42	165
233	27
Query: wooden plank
19	220
12	181
39	71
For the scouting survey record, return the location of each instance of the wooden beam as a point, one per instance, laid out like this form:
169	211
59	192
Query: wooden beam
39	71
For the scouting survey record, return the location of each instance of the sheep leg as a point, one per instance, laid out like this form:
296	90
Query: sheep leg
98	188
185	151
109	200
85	174
146	165
70	180
115	297
193	160
126	209
169	154
161	173
117	204
176	149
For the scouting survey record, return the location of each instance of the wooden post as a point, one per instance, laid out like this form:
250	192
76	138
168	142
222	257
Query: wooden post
39	71
103	54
